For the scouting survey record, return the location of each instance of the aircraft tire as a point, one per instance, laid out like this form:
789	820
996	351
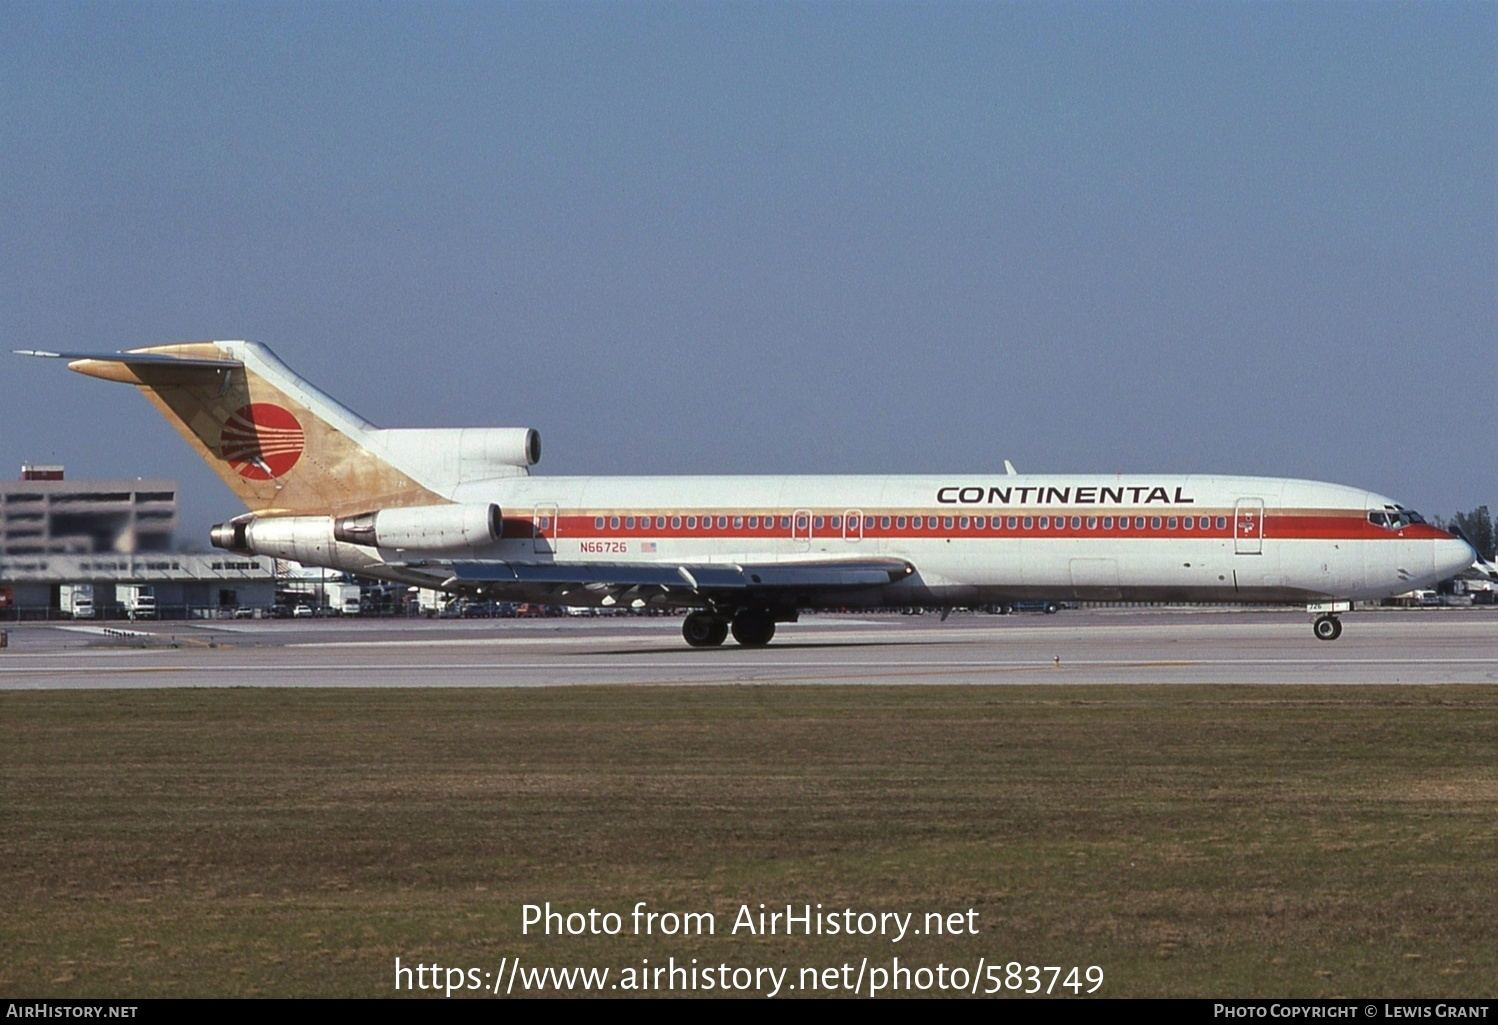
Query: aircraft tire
753	628
704	630
1327	628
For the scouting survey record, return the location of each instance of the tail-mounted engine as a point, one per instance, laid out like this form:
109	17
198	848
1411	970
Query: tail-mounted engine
423	528
312	539
305	539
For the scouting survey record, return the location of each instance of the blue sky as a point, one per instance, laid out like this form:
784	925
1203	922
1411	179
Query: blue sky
747	238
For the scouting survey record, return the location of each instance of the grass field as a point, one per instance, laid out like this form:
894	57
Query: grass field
1233	841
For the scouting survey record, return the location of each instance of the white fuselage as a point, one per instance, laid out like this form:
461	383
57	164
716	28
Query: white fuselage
975	539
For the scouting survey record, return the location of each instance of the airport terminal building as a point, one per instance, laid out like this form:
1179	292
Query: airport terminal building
114	537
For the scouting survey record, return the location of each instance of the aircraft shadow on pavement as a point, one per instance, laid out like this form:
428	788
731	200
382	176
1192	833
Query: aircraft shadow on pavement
680	649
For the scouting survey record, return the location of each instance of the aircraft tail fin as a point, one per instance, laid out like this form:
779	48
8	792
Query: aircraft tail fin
285	448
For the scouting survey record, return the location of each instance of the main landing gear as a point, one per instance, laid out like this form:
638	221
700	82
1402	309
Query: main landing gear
1327	626
752	628
704	630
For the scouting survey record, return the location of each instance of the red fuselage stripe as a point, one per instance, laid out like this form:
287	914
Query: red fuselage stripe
876	526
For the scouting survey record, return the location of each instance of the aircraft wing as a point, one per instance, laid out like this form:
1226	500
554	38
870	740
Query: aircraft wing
704	580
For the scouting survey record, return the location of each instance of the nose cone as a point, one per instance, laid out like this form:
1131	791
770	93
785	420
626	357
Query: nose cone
1453	555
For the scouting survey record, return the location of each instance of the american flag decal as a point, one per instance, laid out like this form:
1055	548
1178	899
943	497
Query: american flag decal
647	546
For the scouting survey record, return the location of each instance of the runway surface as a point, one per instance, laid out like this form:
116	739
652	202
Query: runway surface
1438	646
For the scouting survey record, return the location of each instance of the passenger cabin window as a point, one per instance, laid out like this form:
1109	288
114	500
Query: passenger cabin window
676	523
598	523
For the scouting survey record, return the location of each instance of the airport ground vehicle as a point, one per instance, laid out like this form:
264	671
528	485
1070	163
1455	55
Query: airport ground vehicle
1005	608
76	600
458	510
343	599
138	600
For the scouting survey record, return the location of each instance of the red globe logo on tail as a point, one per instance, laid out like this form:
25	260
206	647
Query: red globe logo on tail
262	441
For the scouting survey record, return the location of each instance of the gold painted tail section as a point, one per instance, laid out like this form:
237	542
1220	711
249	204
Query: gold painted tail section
281	445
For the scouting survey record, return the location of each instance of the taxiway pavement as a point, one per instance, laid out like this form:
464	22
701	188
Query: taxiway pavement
1098	646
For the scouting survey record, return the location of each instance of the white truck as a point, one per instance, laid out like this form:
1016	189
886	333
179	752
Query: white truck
77	600
342	598
431	602
138	600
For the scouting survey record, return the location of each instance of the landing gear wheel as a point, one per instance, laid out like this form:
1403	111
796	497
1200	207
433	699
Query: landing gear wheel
753	628
704	630
1327	628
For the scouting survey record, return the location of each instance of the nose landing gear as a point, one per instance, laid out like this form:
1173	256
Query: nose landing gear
1327	628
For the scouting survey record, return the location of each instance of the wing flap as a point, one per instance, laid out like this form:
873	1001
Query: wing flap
576	574
699	578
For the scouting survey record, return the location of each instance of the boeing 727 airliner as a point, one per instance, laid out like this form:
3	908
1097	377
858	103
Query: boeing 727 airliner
458	509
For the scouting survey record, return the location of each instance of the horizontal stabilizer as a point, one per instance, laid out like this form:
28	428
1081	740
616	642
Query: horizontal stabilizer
136	359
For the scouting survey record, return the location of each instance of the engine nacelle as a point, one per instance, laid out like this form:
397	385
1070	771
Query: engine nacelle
460	455
305	539
423	528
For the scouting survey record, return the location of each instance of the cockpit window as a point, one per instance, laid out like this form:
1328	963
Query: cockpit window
1394	517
